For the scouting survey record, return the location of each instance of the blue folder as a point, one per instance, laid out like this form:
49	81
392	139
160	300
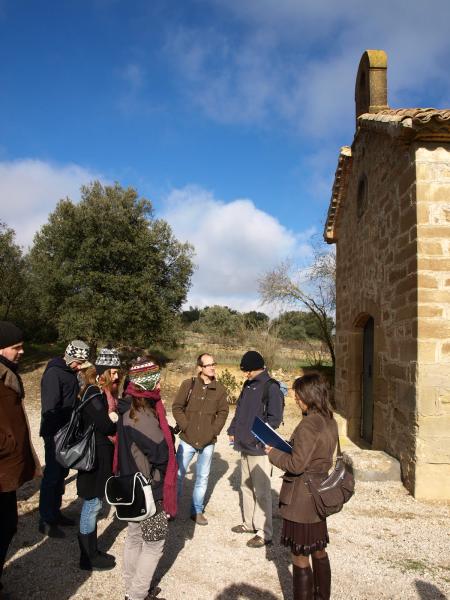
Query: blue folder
268	436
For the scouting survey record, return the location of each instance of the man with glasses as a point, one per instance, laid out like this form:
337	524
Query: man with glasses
200	410
260	397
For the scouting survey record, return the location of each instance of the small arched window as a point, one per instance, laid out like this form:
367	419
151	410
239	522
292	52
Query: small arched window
361	198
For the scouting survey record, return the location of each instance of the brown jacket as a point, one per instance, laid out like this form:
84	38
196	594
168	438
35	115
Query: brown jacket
314	441
203	418
18	461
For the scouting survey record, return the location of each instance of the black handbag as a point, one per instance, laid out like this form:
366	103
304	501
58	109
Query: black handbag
74	445
337	489
131	496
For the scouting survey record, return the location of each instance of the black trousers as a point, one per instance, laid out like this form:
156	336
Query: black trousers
8	523
52	484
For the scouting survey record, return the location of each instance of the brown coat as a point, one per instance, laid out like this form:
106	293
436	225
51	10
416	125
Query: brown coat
314	441
18	461
203	418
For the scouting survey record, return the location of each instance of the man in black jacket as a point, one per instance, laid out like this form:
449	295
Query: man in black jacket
59	390
260	397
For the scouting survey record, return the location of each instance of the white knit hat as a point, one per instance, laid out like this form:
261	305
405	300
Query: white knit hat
77	350
107	358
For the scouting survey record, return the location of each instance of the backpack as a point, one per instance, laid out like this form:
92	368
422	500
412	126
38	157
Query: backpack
265	396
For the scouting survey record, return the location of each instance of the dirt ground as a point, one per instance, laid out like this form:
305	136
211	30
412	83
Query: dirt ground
384	544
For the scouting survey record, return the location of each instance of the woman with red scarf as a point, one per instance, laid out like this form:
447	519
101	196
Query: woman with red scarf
145	444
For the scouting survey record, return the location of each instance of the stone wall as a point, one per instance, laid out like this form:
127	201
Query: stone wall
377	276
433	380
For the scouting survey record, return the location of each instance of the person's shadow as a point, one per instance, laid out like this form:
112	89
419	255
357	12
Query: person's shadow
182	528
428	591
245	591
37	574
276	553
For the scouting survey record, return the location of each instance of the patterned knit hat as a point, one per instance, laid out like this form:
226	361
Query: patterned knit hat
145	374
76	351
107	358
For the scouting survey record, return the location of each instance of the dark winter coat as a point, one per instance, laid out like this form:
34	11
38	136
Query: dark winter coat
59	391
142	446
91	484
314	441
18	461
249	406
203	417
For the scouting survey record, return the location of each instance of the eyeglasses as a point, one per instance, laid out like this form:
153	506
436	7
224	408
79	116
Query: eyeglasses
210	365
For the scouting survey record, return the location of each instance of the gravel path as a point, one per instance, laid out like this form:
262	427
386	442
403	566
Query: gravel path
384	544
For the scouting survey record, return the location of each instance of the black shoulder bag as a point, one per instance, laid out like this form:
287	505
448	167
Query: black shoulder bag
75	446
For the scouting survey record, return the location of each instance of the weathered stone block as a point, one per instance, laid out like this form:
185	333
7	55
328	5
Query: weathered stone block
427	400
431	231
429	310
432	482
426	351
434	329
435	427
433	264
429	248
426	280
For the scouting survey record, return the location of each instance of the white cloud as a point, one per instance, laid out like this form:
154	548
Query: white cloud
30	190
234	242
296	61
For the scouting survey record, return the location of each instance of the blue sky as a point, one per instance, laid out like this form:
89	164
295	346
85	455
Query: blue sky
227	114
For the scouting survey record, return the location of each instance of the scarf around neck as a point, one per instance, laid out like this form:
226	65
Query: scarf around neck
170	478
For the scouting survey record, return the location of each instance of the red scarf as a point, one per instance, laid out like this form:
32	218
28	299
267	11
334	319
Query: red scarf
170	479
112	407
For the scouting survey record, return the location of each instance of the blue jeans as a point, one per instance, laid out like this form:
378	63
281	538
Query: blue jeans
89	513
52	484
185	453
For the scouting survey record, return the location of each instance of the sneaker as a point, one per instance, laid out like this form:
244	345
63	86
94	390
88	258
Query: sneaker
200	519
242	529
258	542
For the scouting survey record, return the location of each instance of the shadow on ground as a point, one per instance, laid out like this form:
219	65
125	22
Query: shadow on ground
183	527
275	552
26	577
428	591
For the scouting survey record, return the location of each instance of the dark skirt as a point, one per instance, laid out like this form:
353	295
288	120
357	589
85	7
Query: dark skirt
304	538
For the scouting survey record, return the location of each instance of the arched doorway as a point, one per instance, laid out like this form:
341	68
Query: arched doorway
367	382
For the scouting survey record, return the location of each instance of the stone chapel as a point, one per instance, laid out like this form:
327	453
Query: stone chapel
389	217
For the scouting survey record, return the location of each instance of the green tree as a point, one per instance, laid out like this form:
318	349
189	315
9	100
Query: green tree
191	315
106	270
12	274
255	318
220	321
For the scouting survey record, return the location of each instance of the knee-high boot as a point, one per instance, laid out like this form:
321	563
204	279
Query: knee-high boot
302	583
322	578
90	558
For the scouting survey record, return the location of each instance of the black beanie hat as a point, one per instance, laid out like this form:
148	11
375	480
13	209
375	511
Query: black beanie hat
252	361
10	334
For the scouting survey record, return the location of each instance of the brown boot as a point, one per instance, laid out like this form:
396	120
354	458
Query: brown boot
302	583
322	578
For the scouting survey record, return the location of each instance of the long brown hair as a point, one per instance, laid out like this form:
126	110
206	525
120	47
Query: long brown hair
89	378
314	391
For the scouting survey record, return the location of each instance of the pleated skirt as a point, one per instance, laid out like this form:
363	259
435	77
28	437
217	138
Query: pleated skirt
304	538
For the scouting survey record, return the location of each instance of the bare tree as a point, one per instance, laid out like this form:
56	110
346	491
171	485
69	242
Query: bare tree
314	289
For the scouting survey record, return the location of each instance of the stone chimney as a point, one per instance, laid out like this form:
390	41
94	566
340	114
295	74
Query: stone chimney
371	83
